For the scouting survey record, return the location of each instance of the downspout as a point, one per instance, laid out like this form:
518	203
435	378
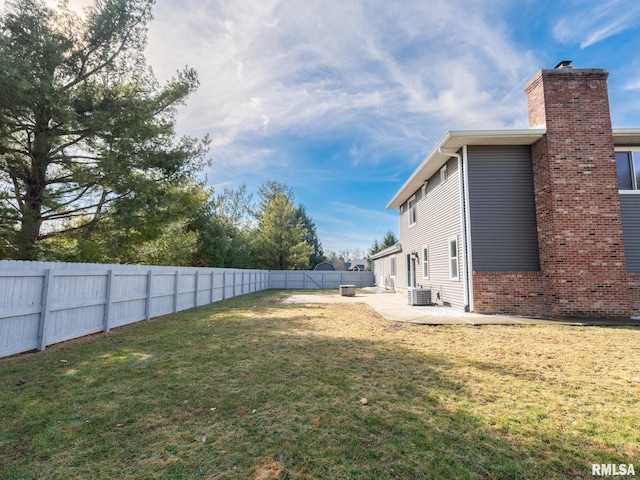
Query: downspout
467	217
463	224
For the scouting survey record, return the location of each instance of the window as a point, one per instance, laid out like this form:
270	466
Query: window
413	211
444	175
453	258
392	262
628	167
425	262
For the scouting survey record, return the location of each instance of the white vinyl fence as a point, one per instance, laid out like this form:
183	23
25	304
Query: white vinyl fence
43	303
308	280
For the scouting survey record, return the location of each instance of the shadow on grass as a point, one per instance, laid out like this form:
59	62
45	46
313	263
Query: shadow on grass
216	392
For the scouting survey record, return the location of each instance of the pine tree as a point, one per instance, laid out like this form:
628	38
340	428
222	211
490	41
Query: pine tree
281	242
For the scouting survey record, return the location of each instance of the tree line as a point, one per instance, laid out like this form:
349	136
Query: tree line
91	167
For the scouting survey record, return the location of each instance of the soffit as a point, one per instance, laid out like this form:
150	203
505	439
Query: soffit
626	137
453	141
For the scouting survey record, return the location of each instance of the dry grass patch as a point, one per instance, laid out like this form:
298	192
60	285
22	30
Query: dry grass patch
252	388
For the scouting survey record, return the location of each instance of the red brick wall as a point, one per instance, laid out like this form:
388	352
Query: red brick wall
577	203
513	293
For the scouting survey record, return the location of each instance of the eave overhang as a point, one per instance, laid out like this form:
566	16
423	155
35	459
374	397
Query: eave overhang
387	251
626	137
453	141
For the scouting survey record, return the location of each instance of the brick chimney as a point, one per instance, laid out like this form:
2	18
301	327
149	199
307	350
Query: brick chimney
577	203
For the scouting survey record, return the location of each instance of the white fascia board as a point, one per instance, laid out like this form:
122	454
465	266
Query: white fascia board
387	251
626	137
454	141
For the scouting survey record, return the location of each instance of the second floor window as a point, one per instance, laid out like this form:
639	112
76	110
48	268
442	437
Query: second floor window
628	167
413	211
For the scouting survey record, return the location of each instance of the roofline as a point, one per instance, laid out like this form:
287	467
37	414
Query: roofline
455	140
626	136
387	251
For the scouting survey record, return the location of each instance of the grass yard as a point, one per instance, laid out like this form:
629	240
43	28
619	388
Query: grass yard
250	388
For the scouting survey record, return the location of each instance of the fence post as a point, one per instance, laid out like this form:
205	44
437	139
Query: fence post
213	279
147	307
47	287
224	285
175	292
107	304
195	295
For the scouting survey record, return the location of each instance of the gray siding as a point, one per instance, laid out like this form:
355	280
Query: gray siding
502	209
630	204
438	220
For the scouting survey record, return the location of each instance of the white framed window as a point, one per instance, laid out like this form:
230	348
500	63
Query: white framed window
425	261
628	168
413	211
444	175
392	266
454	273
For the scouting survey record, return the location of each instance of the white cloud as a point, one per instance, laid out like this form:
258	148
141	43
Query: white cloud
388	73
338	68
635	85
588	22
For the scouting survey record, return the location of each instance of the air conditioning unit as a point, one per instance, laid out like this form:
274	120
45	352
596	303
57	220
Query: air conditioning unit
419	296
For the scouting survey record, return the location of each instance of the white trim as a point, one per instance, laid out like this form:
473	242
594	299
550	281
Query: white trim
634	153
627	148
629	192
451	258
412	209
468	264
393	267
425	259
387	251
461	262
444	174
454	140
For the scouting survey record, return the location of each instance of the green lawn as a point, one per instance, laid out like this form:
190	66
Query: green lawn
250	388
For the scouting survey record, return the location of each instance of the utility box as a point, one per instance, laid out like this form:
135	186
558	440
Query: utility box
348	290
419	296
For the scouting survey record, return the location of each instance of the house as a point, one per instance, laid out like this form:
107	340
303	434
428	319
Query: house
543	221
356	265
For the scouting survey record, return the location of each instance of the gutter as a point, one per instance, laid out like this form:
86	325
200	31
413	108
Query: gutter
387	251
467	229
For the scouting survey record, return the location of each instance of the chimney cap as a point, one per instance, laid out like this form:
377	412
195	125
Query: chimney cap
564	64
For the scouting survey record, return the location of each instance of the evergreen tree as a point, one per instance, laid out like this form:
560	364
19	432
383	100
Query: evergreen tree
317	256
389	240
281	241
86	133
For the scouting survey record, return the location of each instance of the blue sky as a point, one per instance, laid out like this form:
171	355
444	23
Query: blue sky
342	99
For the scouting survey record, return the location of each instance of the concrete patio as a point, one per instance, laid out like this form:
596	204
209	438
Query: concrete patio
393	306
